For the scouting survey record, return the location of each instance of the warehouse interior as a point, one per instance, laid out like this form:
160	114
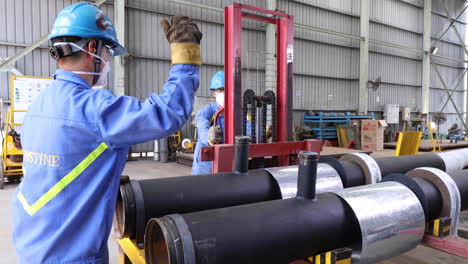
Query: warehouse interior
335	132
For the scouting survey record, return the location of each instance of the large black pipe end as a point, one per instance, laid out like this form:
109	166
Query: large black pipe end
307	178
157	236
241	154
168	240
125	214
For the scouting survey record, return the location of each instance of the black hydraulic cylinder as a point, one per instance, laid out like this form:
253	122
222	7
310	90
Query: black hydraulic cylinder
403	164
274	232
241	154
192	193
307	175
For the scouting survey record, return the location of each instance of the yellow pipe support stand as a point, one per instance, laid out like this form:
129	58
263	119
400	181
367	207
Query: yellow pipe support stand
408	143
129	253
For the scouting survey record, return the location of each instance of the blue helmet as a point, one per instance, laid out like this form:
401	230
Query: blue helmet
217	81
86	20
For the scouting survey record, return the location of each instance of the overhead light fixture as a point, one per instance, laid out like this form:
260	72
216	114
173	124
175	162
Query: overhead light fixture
434	50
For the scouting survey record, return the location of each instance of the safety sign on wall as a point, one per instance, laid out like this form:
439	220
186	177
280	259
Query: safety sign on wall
23	91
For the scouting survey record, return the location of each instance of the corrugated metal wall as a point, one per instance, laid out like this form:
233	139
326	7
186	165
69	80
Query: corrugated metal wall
451	71
326	67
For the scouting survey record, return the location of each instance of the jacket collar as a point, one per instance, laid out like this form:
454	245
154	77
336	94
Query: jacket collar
70	77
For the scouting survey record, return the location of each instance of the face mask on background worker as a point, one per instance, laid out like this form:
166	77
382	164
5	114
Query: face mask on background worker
220	99
102	81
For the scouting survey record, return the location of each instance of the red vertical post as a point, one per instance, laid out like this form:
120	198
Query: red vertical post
232	72
284	82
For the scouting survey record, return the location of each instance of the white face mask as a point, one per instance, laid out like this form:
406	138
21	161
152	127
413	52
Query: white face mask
220	99
102	81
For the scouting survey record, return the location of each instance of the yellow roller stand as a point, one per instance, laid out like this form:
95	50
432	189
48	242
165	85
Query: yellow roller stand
129	253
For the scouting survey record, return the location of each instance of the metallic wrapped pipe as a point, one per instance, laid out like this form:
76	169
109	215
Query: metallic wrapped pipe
391	220
454	160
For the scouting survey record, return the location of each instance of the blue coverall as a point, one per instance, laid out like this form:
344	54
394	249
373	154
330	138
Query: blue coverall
75	141
204	122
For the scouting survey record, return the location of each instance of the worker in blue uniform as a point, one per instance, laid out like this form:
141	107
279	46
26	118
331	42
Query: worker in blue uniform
75	139
209	132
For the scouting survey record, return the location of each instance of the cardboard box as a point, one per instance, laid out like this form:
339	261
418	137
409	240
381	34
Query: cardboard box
372	134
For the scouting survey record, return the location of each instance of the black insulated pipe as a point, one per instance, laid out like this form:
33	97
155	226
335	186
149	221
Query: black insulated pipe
273	232
189	194
350	172
186	194
241	154
433	198
460	178
259	231
403	164
307	175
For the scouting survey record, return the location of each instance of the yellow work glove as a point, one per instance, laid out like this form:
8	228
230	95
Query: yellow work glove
184	37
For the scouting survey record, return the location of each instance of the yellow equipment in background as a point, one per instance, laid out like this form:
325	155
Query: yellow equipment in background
408	143
12	155
176	139
188	145
432	129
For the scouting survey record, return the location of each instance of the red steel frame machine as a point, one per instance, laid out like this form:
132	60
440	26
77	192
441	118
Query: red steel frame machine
223	155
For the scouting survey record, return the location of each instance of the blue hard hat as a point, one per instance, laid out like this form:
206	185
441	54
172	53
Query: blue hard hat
217	81
86	20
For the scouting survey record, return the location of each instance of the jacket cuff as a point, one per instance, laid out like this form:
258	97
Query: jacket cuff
185	53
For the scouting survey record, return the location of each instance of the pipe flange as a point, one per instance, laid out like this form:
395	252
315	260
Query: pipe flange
328	179
384	234
368	165
451	201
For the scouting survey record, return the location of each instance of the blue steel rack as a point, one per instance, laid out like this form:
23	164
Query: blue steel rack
329	132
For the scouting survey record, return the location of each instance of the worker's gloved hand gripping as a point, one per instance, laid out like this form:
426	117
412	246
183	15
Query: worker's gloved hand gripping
215	135
184	37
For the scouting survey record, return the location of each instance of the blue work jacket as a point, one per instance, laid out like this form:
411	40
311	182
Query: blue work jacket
75	141
205	119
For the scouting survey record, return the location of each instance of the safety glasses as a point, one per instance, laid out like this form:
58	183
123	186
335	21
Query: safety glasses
110	50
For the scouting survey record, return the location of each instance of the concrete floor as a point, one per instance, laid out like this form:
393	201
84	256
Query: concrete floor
144	169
